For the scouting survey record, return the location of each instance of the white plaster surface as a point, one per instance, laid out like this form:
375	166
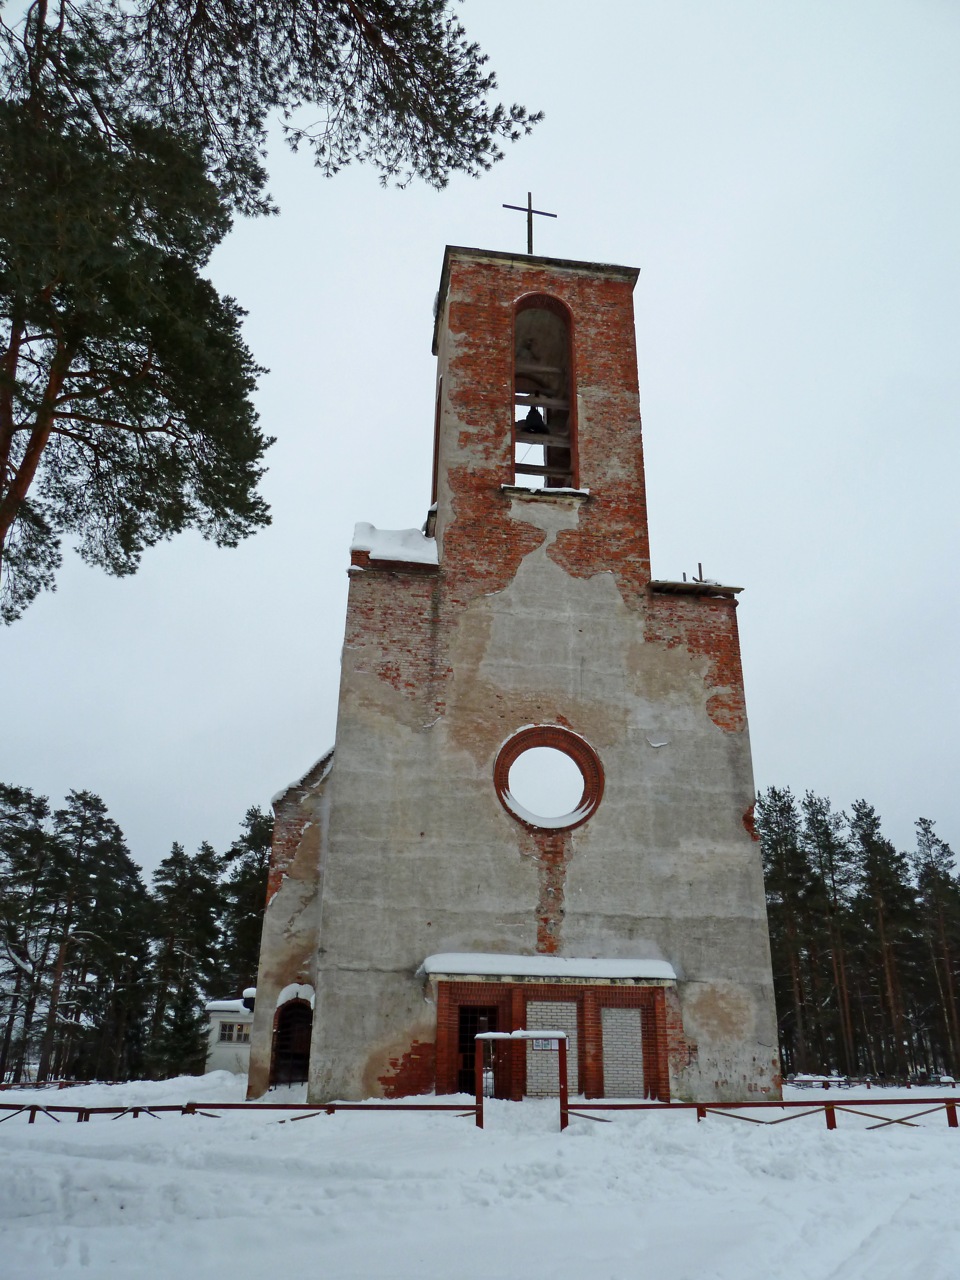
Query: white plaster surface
487	963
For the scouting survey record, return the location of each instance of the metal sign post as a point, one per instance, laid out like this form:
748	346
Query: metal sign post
557	1037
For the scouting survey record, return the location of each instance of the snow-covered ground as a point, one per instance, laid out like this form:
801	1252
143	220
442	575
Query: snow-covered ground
432	1197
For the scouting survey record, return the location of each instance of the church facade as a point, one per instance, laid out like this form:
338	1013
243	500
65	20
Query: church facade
420	891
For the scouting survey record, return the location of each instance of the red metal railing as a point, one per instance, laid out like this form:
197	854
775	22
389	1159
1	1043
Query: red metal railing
210	1109
799	1109
732	1110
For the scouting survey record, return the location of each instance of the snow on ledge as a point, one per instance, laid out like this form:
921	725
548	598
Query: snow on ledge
488	963
521	1035
296	991
522	490
408	545
226	1006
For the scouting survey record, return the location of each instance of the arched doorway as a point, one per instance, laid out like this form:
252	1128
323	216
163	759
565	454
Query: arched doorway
290	1060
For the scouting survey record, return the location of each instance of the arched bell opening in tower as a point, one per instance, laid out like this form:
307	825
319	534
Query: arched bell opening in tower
544	453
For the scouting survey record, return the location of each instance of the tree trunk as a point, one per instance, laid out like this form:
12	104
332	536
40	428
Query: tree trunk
846	1016
11	1022
799	1009
893	995
953	1027
49	1035
19	486
8	374
868	1038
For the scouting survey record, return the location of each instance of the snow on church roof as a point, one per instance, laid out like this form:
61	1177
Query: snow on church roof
407	545
489	963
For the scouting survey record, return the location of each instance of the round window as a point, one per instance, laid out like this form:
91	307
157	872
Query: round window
548	777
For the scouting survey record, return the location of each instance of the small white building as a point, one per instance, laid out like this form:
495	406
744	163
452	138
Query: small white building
228	1035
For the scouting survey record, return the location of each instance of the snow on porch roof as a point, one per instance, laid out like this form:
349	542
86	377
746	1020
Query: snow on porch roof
485	963
522	1035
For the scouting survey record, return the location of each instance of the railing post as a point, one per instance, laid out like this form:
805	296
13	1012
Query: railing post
564	1094
701	1113
478	1079
831	1116
33	1115
951	1110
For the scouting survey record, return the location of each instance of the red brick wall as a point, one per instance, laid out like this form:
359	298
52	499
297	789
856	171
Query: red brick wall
290	818
510	1001
479	540
393	616
412	1073
707	627
403	613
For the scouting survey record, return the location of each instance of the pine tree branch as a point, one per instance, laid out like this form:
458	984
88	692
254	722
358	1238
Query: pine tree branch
166	429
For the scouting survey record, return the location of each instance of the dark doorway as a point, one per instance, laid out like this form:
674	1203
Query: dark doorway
473	1020
291	1043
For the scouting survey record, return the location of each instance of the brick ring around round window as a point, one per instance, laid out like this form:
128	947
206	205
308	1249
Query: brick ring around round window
572	745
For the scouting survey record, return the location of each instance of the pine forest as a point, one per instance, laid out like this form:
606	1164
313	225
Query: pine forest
101	976
865	941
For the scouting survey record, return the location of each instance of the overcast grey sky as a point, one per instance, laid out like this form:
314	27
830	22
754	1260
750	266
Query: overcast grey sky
786	177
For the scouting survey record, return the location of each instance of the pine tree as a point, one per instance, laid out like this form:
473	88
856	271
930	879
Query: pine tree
98	897
789	888
188	904
889	932
827	851
245	892
129	134
102	1035
125	397
939	900
391	83
29	856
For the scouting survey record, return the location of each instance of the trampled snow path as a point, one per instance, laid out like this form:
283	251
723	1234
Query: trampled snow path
431	1197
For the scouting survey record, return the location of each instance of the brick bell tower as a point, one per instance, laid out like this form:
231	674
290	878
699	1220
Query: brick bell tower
422	887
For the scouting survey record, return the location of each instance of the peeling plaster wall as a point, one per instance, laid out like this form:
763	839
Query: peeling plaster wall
540	612
288	944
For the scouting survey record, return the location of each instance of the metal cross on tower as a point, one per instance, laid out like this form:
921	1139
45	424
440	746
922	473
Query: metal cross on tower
529	210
